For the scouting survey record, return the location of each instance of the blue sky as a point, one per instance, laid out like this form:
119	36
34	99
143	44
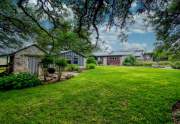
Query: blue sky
139	37
147	38
140	34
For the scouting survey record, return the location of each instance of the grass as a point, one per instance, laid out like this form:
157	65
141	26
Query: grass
112	95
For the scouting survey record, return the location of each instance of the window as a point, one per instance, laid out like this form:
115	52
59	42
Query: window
75	60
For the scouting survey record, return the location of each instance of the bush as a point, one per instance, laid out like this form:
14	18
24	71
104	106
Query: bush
18	81
91	66
164	63
72	67
144	63
129	61
176	65
139	63
46	61
91	60
61	62
148	63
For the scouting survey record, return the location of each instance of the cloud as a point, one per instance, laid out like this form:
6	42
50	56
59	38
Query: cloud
141	25
134	45
110	41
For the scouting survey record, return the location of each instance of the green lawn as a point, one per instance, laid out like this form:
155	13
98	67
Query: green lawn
106	95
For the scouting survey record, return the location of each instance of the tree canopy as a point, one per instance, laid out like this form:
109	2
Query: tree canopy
22	18
167	27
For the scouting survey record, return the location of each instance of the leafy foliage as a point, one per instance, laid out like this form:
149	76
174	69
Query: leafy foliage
166	23
61	63
25	18
91	60
18	81
48	59
91	66
145	63
129	60
72	67
176	65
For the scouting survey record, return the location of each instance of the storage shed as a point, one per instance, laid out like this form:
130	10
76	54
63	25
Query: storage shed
74	57
26	59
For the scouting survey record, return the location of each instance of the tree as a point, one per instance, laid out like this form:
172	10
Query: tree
61	63
21	18
166	22
129	60
88	13
91	60
45	64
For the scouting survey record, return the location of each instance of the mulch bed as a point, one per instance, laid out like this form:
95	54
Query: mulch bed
176	112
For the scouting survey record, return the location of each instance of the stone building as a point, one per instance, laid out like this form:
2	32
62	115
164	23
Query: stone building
26	59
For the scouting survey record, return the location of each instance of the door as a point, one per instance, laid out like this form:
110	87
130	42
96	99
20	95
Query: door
33	65
113	60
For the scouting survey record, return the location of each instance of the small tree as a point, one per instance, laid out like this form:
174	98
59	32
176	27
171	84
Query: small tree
61	63
45	62
91	60
129	61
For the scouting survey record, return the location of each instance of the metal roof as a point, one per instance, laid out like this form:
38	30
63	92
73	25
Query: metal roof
119	53
66	51
9	51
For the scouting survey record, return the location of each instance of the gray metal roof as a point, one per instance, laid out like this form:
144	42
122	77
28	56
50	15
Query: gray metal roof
119	53
8	51
66	51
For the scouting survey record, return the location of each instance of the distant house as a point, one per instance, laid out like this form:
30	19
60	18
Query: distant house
117	57
26	59
74	57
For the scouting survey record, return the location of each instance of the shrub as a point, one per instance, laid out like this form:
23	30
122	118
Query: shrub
91	66
176	65
91	60
46	61
72	67
139	63
144	63
18	81
164	63
129	60
61	63
148	63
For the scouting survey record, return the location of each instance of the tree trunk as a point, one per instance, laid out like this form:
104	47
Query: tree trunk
45	74
60	73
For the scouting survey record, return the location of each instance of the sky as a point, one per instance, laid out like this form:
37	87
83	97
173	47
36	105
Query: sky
140	35
138	38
